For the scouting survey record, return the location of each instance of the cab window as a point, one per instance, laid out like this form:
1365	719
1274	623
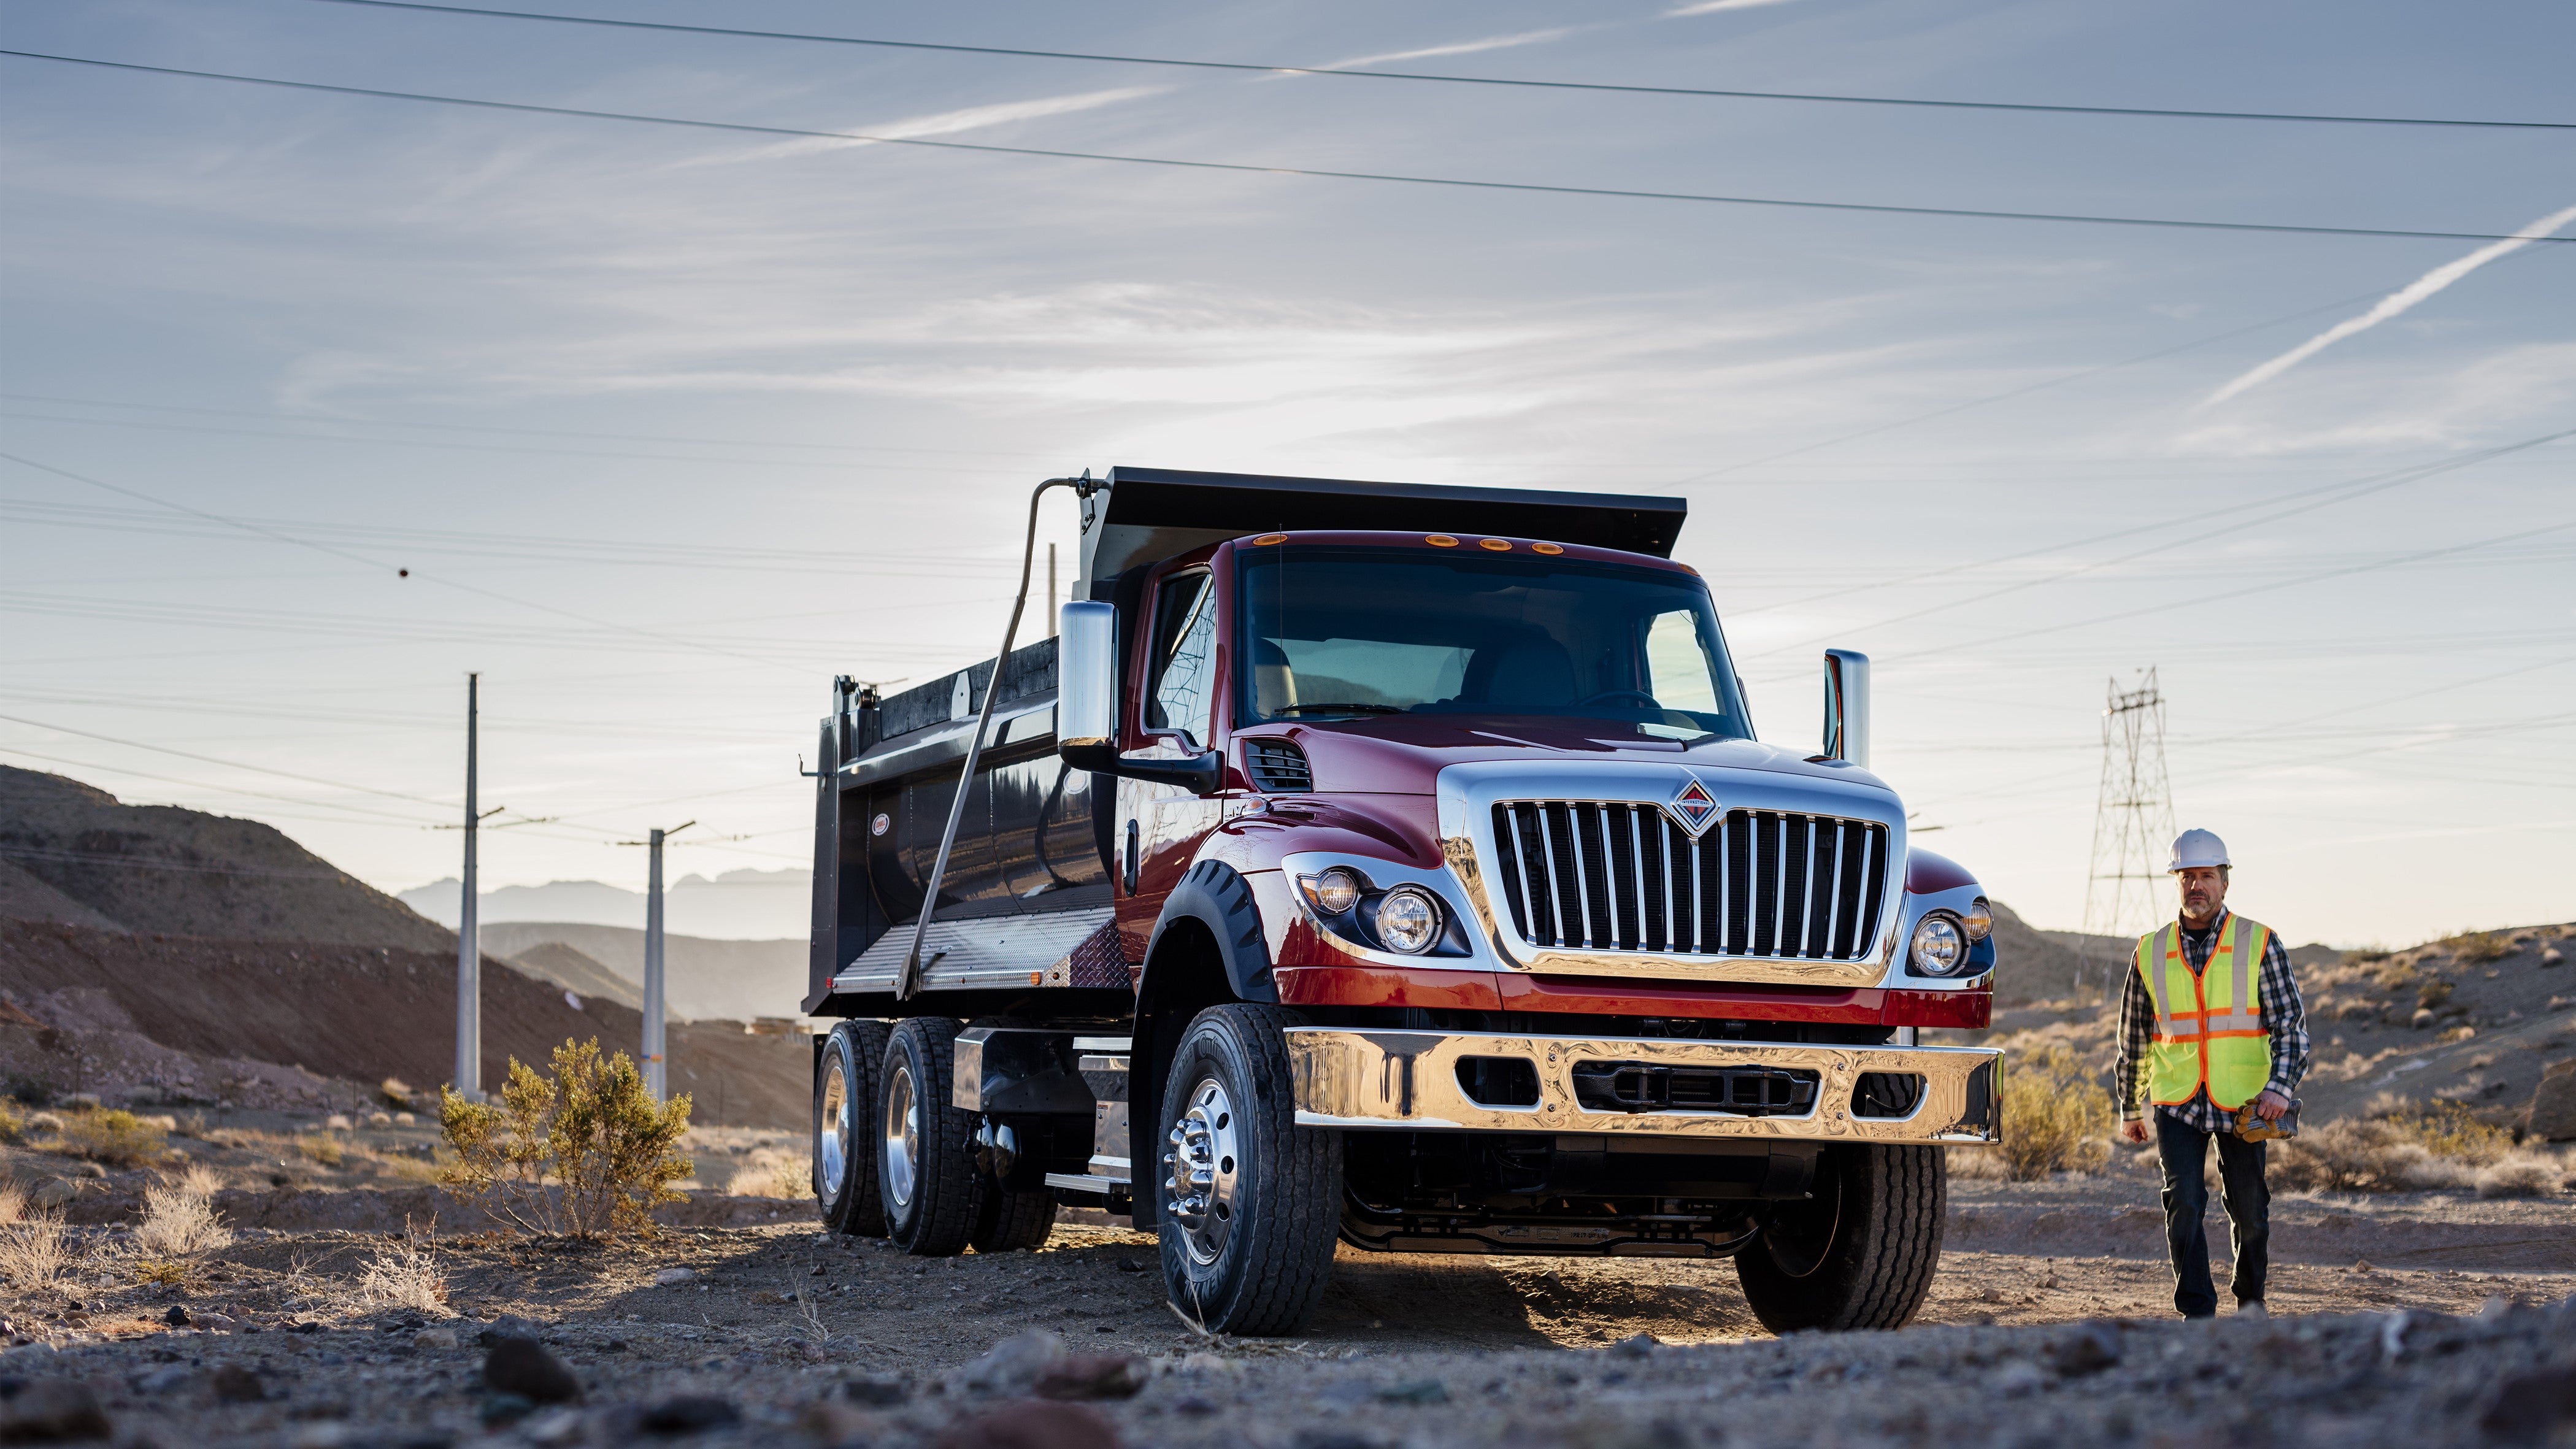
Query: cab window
1184	657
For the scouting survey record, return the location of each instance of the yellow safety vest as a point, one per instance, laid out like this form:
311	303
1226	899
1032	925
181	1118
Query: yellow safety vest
2209	1023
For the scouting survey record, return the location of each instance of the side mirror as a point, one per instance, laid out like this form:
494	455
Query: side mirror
1847	706
1086	684
1086	705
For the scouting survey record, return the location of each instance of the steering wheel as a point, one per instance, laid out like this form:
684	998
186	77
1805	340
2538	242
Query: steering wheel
1642	697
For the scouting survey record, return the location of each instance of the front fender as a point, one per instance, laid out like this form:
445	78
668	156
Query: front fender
1218	898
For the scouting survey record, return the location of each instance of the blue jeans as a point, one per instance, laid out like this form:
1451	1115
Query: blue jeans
2183	1149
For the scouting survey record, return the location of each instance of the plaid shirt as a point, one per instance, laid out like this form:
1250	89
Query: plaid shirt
2285	1019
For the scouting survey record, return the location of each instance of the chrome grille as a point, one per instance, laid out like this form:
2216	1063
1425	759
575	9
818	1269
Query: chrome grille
1597	875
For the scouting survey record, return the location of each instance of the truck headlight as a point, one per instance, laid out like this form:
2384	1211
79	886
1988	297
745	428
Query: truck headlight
1333	892
1980	920
1408	920
1940	946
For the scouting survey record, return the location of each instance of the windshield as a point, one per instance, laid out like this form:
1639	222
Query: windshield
1348	632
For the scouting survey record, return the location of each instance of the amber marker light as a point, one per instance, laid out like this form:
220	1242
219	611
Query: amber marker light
1439	540
1498	545
1267	539
1547	548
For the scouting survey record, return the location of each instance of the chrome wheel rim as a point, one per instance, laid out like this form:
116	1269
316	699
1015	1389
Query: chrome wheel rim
902	1134
832	1129
1202	1171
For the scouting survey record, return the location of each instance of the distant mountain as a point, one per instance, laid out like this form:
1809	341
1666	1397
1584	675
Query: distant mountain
75	854
706	981
739	905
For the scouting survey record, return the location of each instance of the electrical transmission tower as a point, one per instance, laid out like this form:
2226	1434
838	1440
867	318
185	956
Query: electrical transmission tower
2133	821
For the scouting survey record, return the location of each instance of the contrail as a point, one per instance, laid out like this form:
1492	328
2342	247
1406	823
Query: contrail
2394	303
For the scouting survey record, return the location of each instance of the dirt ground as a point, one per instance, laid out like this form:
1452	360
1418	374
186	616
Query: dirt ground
2051	1318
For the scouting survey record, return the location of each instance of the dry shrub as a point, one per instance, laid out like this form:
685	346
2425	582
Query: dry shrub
405	1276
166	1272
2056	1118
2449	1129
2398	1146
13	1120
2476	948
324	1151
35	1253
13	1203
769	1172
115	1139
2362	1155
179	1223
2523	1174
586	1152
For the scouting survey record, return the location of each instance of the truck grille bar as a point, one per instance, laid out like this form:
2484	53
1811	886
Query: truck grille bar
1596	875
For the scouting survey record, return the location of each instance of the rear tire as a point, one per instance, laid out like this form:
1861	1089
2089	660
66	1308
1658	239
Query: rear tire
1013	1222
925	1148
1251	1201
1861	1252
845	1094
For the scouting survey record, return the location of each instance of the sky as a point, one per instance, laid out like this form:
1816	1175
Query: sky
668	426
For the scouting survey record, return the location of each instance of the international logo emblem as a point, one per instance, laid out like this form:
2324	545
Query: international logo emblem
1694	807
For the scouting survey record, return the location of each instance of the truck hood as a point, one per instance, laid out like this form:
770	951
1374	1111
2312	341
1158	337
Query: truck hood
1404	754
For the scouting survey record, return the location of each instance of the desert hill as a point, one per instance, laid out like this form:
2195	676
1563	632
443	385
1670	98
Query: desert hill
735	905
703	980
73	853
161	953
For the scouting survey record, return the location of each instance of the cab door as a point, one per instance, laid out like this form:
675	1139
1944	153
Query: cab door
1159	826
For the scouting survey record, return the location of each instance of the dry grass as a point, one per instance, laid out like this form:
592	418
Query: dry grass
13	1120
35	1253
2523	1174
769	1172
2055	1119
2362	1155
2479	947
405	1276
114	1138
179	1223
2397	1146
322	1151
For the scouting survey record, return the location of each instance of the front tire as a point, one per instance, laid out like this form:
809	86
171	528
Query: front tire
845	1094
1251	1200
924	1147
1860	1253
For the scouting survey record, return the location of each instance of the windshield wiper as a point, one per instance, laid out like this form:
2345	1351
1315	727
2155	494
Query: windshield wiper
1360	708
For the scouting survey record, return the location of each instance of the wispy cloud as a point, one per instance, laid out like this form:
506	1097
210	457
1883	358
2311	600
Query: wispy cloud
2393	304
1711	7
1463	47
971	118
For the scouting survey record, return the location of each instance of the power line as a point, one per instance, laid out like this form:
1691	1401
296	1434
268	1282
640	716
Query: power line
227	764
2026	390
89	402
93	857
376	816
836	465
2263	588
337	552
1242	67
2337	493
1250	169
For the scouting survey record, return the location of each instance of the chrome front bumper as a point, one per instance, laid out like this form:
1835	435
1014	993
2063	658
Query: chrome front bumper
1408	1080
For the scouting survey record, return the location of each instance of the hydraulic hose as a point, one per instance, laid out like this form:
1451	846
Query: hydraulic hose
909	982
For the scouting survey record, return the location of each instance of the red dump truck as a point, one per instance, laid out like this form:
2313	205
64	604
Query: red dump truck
1397	866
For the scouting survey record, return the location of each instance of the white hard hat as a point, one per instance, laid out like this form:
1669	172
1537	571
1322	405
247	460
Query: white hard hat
2194	849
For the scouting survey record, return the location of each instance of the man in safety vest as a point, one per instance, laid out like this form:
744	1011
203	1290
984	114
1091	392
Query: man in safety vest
2211	1022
